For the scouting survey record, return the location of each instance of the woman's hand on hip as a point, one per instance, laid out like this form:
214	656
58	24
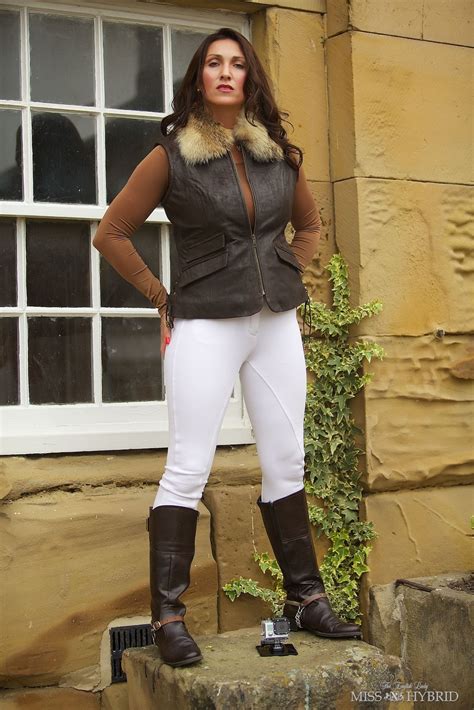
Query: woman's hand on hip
165	334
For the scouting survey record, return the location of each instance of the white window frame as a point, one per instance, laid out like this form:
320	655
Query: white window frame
27	428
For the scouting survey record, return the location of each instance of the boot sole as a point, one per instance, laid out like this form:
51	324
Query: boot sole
186	662
337	636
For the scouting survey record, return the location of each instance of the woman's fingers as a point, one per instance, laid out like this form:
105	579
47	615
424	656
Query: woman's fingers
165	336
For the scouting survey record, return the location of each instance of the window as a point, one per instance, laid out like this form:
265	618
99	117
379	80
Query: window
82	92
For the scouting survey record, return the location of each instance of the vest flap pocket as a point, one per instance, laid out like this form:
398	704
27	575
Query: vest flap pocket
203	248
287	254
203	268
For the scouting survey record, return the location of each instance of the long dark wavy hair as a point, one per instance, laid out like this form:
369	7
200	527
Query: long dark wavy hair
259	101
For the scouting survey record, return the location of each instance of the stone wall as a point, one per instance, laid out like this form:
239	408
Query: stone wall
401	165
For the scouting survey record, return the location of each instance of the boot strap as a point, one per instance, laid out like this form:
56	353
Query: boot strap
307	601
158	624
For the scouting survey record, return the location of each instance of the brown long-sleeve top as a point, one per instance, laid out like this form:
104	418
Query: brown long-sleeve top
143	193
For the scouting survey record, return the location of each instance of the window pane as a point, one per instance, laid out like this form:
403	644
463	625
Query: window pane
183	45
59	360
118	293
10	44
7	263
127	142
11	187
131	360
9	361
62	59
64	158
57	263
133	67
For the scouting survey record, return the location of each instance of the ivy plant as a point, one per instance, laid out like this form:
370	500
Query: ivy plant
332	476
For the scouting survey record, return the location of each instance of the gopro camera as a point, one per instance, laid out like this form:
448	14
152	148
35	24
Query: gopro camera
273	633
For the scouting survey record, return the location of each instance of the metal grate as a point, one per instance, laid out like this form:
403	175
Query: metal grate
122	637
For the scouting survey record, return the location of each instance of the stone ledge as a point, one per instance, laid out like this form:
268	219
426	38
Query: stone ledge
385	608
25	475
232	675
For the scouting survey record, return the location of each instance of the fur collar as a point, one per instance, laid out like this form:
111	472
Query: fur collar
203	139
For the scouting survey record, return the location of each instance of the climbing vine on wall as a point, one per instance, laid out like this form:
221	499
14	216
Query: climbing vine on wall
335	371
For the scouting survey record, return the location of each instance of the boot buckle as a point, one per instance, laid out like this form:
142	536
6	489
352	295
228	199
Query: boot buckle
157	625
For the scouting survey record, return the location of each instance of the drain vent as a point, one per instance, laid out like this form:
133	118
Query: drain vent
122	637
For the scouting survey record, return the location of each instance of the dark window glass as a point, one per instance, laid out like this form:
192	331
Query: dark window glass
8	290
127	142
62	59
10	44
64	158
118	293
133	67
57	263
11	187
131	360
183	45
59	360
9	393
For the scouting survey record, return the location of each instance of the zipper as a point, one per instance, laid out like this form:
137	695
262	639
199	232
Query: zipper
254	242
252	231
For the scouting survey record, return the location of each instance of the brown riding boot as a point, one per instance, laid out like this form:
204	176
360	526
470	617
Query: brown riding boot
172	532
307	606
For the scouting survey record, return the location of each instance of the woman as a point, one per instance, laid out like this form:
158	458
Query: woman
229	181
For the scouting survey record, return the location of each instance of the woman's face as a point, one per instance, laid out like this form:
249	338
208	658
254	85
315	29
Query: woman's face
224	74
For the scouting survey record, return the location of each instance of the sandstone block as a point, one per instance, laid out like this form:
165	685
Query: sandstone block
325	674
409	245
114	697
302	93
448	22
420	19
401	19
49	699
73	562
418	417
405	102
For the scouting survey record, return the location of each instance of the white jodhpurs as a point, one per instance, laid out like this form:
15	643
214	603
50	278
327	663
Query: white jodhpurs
201	365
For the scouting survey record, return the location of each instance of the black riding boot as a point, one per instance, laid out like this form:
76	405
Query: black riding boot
172	532
307	606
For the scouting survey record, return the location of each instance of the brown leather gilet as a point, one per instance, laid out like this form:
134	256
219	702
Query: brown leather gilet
223	268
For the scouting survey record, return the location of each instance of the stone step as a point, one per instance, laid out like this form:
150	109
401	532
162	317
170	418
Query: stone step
326	674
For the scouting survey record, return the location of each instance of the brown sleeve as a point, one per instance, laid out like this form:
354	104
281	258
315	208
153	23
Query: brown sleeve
306	221
128	211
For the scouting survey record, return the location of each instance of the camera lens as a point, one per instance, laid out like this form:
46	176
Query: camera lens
282	626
